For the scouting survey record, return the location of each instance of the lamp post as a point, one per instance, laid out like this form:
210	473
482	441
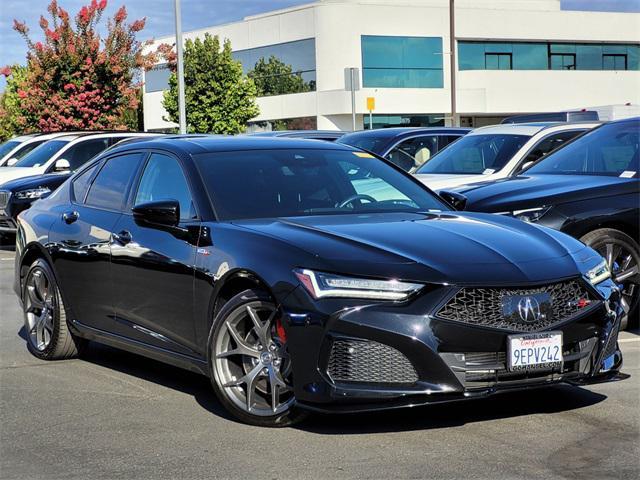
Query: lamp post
181	103
452	49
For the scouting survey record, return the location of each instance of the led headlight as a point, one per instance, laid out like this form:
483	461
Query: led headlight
32	193
531	214
599	273
323	285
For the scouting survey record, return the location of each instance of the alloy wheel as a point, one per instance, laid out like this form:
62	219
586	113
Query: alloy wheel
624	270
40	307
251	360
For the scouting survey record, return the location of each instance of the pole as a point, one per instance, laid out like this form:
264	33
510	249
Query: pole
370	120
181	103
452	48
353	98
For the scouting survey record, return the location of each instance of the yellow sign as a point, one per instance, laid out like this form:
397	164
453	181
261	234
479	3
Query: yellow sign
371	103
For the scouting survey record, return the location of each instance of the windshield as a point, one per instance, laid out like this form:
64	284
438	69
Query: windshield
610	150
475	154
371	143
39	156
287	183
7	146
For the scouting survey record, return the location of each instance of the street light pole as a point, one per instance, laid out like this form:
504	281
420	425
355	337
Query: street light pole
452	49
181	104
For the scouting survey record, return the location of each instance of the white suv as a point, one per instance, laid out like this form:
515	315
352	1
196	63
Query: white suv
498	151
64	153
17	147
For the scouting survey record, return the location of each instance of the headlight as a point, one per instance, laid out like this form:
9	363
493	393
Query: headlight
531	214
323	285
32	193
599	273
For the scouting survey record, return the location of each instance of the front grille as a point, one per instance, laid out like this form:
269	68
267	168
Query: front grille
369	362
484	306
612	345
4	199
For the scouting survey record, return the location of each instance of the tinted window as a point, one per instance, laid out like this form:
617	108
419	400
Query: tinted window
81	183
444	140
80	153
110	186
284	183
40	155
163	179
371	143
414	152
476	154
24	149
7	146
609	150
549	144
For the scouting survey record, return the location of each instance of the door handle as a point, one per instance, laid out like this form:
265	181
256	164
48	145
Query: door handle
123	237
70	217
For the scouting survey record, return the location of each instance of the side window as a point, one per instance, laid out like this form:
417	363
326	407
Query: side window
84	151
546	146
444	140
109	188
81	183
163	179
414	152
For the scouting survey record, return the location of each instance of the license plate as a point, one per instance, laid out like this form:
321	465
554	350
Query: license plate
535	351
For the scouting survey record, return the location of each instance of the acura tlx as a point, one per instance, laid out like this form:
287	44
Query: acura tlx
306	276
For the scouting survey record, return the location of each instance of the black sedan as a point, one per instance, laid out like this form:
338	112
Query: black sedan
590	189
18	195
279	270
408	148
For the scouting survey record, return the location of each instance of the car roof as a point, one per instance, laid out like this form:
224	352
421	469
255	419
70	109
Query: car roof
530	129
298	133
197	144
399	131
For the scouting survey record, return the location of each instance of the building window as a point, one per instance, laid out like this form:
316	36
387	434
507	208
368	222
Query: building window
402	62
387	121
281	68
614	62
474	55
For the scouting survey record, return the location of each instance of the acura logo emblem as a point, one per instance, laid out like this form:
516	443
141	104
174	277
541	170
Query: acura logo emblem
529	309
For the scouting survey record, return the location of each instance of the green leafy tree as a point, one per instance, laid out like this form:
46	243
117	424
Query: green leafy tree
219	98
10	110
274	77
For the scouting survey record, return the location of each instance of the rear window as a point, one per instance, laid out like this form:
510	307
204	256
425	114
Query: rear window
42	154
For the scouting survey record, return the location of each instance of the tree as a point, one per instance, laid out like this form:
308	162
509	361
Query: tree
77	80
219	98
274	77
10	110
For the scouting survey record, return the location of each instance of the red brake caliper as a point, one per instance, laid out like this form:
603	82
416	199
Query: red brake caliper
280	330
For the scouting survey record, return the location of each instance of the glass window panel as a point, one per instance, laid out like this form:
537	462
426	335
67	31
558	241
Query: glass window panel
530	56
504	62
157	79
491	62
633	57
110	186
471	56
301	55
381	52
589	57
563	48
498	47
402	78
620	49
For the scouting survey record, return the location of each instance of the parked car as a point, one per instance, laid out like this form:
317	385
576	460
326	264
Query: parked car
63	153
15	148
17	195
408	148
588	189
258	263
499	151
328	135
575	116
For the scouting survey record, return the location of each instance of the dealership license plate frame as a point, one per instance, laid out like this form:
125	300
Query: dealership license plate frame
515	341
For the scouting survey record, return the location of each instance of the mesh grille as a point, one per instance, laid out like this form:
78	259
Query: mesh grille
7	224
611	345
4	199
369	362
484	306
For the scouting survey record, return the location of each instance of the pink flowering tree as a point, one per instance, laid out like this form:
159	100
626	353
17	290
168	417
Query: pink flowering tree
77	80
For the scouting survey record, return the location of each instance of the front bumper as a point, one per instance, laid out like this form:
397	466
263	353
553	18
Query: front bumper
422	359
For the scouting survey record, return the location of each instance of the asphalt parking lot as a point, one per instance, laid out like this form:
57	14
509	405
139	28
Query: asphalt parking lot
116	415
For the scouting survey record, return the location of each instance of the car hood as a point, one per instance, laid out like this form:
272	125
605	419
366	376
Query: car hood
11	173
437	182
526	191
50	180
461	248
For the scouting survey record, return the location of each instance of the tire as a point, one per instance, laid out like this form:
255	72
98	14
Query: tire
246	354
623	255
45	316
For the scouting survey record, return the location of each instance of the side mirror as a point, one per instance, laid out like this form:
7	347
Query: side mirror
11	162
62	165
165	213
526	165
456	200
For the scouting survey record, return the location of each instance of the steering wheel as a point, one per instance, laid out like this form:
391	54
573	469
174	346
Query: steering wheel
355	197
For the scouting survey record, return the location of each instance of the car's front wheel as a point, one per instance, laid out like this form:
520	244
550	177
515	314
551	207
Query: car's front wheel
45	317
249	361
622	254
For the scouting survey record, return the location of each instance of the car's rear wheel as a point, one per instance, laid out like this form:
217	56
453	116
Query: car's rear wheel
45	317
622	254
250	364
